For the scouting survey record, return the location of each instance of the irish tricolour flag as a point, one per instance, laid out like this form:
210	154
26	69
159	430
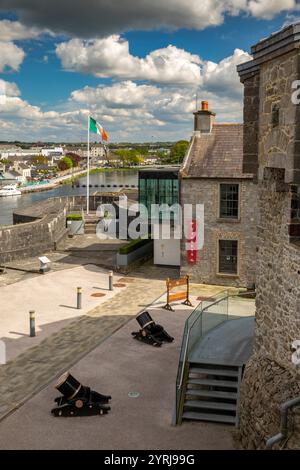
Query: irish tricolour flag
98	129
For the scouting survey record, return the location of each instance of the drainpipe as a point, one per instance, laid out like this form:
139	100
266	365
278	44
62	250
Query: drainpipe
284	408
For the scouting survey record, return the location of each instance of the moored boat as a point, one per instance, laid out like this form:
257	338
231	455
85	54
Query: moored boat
10	190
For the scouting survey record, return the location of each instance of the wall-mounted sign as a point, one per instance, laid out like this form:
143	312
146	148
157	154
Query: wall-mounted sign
192	243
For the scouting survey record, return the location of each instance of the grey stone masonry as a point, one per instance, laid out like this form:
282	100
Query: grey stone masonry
271	377
268	81
40	227
206	191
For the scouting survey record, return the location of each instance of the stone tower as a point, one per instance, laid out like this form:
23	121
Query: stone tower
272	154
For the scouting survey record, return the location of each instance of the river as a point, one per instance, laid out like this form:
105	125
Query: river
9	204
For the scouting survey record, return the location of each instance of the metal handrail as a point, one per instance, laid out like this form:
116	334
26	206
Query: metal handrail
284	408
183	362
189	331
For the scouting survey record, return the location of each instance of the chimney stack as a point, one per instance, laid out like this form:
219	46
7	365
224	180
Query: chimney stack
204	119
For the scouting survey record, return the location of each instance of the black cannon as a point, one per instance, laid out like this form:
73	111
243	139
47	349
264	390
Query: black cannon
150	332
78	400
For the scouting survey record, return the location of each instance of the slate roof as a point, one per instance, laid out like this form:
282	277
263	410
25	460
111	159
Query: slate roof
216	155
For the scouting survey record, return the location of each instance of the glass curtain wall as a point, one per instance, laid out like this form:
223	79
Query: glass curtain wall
158	191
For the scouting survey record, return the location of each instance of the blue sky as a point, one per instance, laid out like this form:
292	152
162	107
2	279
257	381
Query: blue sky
125	73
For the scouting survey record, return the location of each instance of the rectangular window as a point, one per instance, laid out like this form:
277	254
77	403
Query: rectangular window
294	227
228	256
229	201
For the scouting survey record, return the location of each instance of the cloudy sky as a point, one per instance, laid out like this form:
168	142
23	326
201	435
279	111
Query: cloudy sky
135	65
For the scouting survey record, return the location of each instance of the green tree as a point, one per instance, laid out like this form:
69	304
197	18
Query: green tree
65	163
74	157
130	157
39	160
178	152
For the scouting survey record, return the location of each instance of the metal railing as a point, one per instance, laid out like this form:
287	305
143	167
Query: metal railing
283	434
206	316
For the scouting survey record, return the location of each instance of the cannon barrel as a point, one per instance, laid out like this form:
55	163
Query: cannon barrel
68	386
144	319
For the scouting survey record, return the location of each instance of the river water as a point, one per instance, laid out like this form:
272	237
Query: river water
9	204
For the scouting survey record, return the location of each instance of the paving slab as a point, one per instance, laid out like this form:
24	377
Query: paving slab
118	366
53	297
25	374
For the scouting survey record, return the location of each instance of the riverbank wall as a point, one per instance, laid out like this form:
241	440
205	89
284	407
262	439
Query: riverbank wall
37	229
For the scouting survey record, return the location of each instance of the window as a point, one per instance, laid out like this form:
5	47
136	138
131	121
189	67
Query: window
275	115
229	201
158	188
228	255
295	203
294	227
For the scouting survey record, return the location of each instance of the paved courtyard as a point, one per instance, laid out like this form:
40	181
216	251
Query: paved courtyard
54	298
118	366
96	343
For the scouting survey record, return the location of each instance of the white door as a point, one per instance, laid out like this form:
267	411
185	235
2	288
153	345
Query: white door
167	252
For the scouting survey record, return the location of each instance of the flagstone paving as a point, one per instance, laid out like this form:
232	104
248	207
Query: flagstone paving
30	371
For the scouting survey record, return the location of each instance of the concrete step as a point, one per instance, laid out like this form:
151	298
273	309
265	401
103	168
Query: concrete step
207	371
213	405
218	418
211	393
215	383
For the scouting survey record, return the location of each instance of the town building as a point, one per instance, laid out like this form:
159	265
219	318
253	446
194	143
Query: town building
272	153
212	175
159	188
17	153
23	170
97	151
52	152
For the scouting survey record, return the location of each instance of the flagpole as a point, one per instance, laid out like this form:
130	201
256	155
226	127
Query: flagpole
88	170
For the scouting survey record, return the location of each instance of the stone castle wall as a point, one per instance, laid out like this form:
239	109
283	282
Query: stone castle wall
206	191
270	377
251	122
277	143
40	227
271	141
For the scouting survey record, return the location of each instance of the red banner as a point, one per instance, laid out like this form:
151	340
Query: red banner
192	243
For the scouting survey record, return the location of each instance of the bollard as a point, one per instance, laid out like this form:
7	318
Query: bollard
79	298
111	280
32	323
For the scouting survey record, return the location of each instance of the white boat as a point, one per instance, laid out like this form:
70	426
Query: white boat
10	190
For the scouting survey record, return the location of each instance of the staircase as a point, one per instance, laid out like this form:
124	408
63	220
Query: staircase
90	224
215	348
212	392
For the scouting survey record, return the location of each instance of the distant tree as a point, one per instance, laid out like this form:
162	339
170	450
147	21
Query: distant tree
65	164
177	153
39	160
4	161
130	157
74	157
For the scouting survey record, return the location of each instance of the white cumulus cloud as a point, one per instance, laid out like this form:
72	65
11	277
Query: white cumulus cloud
267	9
14	31
8	89
11	56
110	57
125	94
222	77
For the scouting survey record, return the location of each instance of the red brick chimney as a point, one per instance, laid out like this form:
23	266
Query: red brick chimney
203	120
